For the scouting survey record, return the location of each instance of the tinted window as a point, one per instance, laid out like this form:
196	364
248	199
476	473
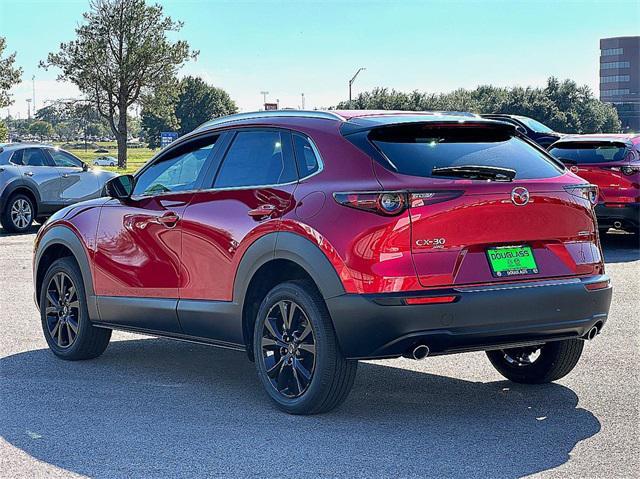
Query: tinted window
535	125
33	157
417	149
257	158
179	170
305	156
62	158
589	152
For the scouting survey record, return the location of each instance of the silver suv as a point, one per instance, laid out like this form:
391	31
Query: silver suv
38	180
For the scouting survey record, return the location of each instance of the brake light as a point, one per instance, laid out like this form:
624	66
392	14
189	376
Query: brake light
596	286
387	203
587	192
630	170
426	198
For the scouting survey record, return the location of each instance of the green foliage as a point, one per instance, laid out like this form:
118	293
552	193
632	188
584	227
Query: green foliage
9	75
121	51
563	106
186	106
42	129
4	132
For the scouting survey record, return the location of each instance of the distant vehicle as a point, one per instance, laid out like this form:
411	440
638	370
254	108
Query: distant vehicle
105	161
314	239
612	162
101	150
37	180
532	129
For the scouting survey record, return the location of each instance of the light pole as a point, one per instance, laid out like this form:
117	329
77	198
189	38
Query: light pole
351	83
302	100
264	97
29	108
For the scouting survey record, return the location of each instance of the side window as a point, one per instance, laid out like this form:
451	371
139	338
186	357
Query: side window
257	158
34	157
180	170
62	158
16	158
306	157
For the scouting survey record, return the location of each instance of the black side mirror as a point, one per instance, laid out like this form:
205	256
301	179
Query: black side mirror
522	130
120	187
85	167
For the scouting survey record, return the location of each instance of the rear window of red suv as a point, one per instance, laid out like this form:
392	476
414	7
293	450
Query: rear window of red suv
417	149
591	152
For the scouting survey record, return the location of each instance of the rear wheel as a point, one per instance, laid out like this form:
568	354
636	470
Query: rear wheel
64	315
297	356
537	364
18	214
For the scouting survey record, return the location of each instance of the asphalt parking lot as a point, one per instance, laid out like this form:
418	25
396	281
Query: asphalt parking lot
158	408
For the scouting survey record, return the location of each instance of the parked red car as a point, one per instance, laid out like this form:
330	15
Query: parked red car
612	162
311	240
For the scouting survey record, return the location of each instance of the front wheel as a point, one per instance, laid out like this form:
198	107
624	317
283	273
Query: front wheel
297	356
64	314
537	364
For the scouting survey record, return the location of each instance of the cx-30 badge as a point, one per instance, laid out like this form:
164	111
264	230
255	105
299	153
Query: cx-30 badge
520	196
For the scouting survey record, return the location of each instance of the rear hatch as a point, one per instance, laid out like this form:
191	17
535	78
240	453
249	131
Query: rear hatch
486	206
609	164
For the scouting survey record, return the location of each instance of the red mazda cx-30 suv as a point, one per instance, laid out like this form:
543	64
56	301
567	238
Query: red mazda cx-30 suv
612	162
313	239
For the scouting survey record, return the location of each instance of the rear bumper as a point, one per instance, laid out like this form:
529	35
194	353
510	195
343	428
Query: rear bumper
627	214
481	318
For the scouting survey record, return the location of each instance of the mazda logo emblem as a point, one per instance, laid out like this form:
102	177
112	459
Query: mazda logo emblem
520	196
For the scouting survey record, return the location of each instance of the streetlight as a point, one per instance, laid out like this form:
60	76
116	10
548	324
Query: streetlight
264	97
302	100
351	83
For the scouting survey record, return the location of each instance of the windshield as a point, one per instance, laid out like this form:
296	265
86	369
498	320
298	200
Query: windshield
417	149
534	125
589	152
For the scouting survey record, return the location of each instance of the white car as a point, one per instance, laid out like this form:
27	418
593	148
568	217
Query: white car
105	161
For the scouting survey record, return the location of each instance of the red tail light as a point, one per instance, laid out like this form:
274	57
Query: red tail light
596	286
630	170
431	300
426	198
587	192
387	203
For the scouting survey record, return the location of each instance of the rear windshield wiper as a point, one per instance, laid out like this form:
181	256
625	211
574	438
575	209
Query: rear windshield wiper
476	172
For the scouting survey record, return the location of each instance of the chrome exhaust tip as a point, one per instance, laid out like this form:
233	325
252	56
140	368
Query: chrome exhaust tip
592	333
420	352
617	225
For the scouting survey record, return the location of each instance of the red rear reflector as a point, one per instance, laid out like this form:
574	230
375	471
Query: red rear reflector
598	285
431	300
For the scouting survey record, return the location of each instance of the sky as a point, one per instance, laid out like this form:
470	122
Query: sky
314	47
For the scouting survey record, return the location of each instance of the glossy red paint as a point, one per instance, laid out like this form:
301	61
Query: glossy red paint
135	253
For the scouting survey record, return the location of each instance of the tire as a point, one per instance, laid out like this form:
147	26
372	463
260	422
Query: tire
555	360
87	342
311	329
18	214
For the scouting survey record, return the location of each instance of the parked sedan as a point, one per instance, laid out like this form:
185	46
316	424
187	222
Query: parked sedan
105	161
532	129
37	180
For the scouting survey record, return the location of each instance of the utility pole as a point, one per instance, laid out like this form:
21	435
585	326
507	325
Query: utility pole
351	83
302	100
33	83
29	108
264	97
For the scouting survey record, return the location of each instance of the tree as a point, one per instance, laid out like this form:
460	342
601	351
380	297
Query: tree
563	106
199	102
183	108
42	129
121	51
4	132
9	75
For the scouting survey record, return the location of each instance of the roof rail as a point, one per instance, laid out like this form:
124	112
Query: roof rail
323	114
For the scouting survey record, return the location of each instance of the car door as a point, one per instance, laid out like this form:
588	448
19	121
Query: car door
139	240
38	171
77	183
251	190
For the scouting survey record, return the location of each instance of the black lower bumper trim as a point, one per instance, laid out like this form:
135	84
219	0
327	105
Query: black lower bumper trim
627	214
482	318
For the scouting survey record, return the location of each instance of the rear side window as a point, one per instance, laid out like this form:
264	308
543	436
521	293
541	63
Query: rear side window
417	149
257	158
306	158
33	157
596	152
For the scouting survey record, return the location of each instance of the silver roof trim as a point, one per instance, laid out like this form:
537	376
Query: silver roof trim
322	114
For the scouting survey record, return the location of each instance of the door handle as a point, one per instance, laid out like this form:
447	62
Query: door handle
65	175
169	219
262	211
28	173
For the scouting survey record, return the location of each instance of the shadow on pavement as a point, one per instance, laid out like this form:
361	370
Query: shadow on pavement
619	247
161	408
34	229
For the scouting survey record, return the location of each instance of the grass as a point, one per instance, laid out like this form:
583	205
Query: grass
136	157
